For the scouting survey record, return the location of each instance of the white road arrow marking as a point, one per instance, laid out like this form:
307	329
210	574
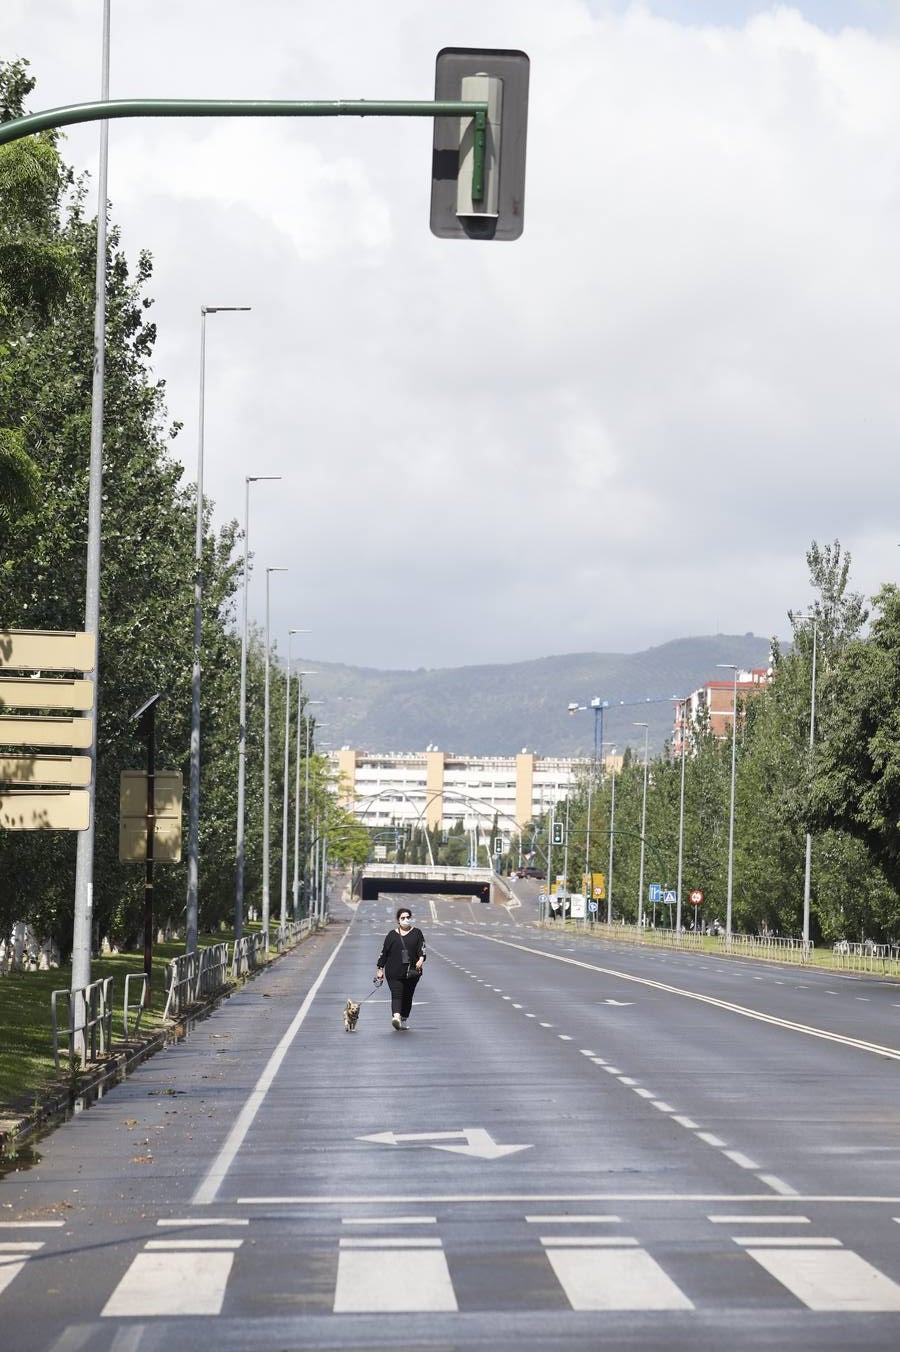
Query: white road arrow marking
479	1144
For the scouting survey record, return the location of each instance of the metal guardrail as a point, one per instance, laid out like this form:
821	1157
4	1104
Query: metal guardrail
289	935
90	1019
143	978
194	976
866	957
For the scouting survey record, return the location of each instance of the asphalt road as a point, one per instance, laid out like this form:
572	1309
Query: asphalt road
576	1145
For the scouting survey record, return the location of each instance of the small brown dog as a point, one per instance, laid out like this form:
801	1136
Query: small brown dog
351	1016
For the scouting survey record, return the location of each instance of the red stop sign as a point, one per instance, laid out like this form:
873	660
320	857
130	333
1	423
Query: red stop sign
696	898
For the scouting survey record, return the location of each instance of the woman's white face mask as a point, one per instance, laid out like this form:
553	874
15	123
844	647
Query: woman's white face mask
405	923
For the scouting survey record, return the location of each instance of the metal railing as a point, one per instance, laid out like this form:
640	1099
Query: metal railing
250	953
773	947
289	935
90	1020
866	957
195	976
143	978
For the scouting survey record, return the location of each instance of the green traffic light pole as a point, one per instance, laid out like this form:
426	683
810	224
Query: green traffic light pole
106	110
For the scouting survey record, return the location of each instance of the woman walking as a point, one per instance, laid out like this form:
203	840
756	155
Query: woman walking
401	960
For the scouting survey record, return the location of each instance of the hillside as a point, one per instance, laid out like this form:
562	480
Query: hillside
501	709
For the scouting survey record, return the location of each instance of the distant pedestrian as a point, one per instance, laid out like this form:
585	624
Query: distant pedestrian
401	960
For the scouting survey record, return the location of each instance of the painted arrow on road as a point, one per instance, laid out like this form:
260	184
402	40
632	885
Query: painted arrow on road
479	1144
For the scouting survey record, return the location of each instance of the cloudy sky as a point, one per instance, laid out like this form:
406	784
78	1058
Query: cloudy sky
626	426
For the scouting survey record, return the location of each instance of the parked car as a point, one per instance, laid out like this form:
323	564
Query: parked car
529	871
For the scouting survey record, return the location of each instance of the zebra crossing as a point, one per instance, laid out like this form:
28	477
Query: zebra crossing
594	1268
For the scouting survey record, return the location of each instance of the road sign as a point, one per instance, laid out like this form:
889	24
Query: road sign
49	731
670	898
44	771
168	792
464	153
45	793
696	897
47	650
655	891
45	810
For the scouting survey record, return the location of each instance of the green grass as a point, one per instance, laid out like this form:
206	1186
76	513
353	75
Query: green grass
26	1039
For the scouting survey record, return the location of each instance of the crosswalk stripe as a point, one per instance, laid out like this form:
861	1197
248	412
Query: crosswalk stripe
393	1281
627	1279
13	1257
836	1280
173	1281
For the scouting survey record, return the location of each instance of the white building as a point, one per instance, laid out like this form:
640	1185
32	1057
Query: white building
438	789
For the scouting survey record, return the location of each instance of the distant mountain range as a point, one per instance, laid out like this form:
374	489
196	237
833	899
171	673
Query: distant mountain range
502	709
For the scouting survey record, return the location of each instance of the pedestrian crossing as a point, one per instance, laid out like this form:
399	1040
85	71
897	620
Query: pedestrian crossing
596	1269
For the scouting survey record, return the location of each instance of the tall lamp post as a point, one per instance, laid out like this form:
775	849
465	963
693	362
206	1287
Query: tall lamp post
807	875
730	666
242	718
612	836
287	772
597	705
193	860
266	744
640	917
300	708
680	823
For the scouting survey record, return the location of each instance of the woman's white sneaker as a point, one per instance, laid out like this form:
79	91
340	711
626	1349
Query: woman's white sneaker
396	1021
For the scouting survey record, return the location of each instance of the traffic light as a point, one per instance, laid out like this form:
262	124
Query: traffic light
478	172
559	833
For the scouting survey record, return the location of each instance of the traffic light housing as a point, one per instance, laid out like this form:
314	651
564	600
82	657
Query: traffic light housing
559	833
478	178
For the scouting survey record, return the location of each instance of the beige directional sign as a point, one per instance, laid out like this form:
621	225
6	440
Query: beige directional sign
50	731
47	650
24	692
44	771
48	810
168	792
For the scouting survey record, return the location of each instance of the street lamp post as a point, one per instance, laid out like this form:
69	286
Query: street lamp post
640	915
730	666
193	860
680	827
807	874
282	917
612	836
242	719
266	742
300	708
597	705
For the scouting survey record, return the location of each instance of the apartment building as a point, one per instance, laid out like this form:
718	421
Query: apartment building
439	789
714	702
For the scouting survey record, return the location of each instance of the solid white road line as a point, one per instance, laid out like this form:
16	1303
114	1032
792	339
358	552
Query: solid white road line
206	1192
533	1198
389	1220
573	1220
860	1044
759	1220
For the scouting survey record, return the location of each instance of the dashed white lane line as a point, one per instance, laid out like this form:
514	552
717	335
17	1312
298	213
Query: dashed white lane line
643	1093
741	1160
389	1220
31	1225
759	1220
573	1220
710	1139
546	1025
687	1122
564	1037
663	1107
778	1185
193	1221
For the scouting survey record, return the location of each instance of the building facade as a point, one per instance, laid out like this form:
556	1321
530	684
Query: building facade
712	705
438	789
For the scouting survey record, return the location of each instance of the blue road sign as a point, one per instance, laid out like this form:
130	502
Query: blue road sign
655	892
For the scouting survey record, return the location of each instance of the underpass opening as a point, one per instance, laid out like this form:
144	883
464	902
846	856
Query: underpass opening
371	888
